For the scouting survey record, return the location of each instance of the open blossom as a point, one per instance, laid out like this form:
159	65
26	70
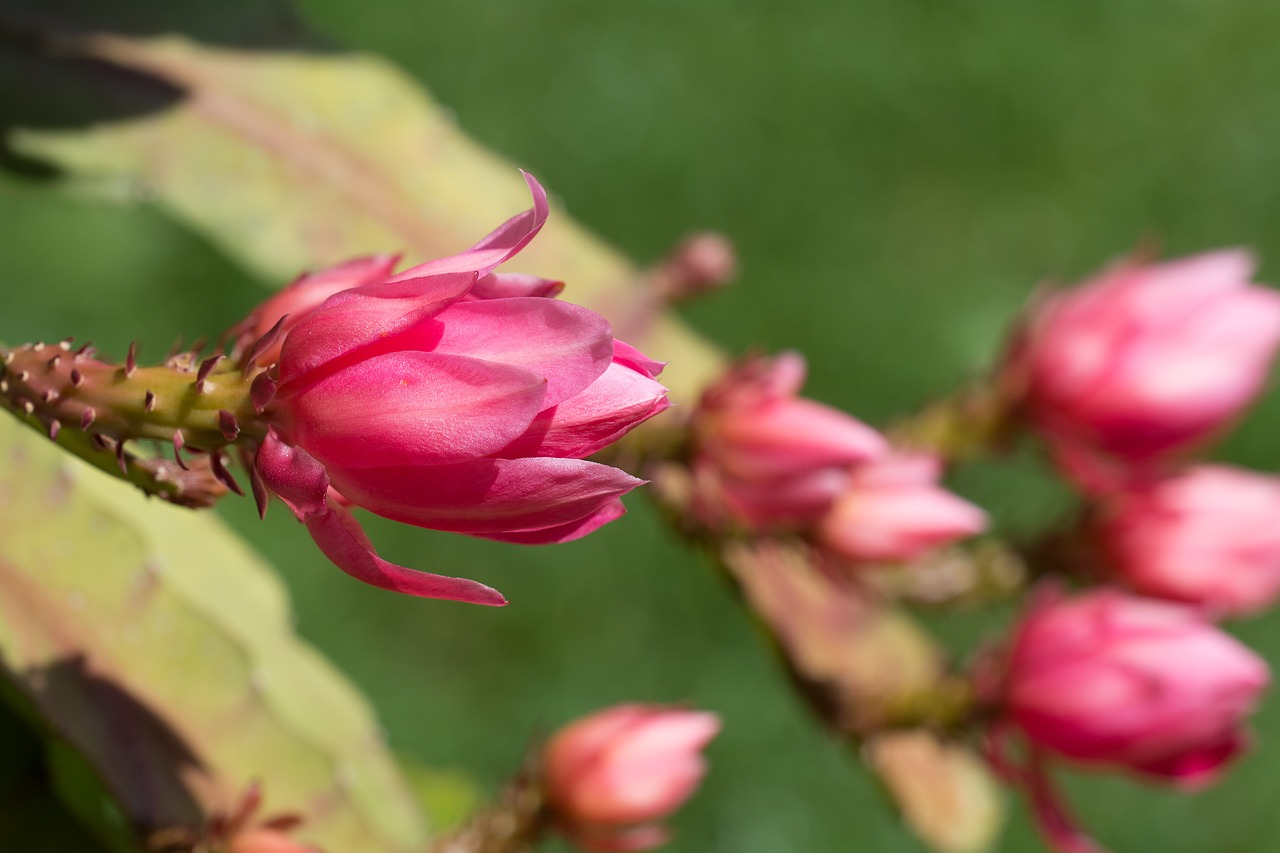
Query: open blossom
766	456
612	776
1113	680
1147	358
1209	536
447	396
893	510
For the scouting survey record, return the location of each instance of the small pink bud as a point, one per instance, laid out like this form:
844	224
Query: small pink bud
893	511
702	262
611	776
766	456
1210	536
1113	680
421	400
1148	358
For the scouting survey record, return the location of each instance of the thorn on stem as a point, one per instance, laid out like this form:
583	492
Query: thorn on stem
178	442
48	396
149	401
220	471
206	367
131	360
228	424
55	427
261	345
86	417
77	378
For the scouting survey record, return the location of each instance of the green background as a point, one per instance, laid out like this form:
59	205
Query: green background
898	175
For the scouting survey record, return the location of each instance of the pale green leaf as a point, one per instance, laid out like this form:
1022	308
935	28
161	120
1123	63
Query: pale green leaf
159	646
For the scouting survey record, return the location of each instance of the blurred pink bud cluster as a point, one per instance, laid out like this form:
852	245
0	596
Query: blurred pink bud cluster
1144	361
613	776
770	460
1116	680
447	396
1209	536
1112	681
1127	374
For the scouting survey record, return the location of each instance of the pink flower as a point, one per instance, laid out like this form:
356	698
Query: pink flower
1148	359
611	776
892	510
768	457
1210	536
450	397
1114	680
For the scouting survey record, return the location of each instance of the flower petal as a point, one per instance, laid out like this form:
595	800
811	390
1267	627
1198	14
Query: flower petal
568	344
500	245
412	407
609	408
503	285
485	496
611	511
356	323
625	353
293	474
336	533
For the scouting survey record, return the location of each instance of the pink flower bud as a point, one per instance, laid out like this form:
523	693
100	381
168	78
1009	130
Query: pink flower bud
1119	681
893	511
429	403
1147	359
766	456
612	775
1209	536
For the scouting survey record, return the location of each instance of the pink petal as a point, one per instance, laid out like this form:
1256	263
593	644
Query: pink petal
568	344
301	482
486	496
500	245
355	323
500	285
628	355
412	408
609	408
786	435
611	511
293	474
336	533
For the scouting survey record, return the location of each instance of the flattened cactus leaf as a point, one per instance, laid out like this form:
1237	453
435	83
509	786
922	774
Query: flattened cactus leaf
946	794
156	644
293	160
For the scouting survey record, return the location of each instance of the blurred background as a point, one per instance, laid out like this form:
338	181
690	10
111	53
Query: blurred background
897	175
